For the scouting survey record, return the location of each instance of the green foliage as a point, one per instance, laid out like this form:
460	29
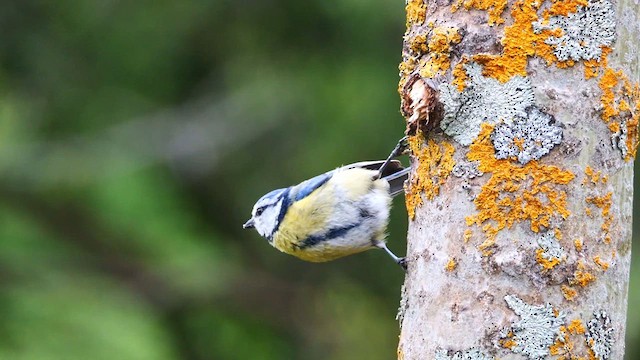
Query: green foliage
77	317
134	139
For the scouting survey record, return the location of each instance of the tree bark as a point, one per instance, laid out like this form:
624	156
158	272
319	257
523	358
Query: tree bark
522	118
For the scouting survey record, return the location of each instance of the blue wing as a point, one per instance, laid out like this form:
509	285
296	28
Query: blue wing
305	188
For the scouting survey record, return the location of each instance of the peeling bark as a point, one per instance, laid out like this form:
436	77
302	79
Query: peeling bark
520	201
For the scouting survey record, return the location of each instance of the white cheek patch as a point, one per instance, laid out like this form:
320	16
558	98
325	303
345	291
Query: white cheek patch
266	223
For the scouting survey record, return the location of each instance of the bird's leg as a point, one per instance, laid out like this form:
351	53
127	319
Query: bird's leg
399	260
397	151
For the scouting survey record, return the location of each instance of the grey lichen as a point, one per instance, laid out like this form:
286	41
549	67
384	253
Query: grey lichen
537	328
527	138
551	248
619	139
466	169
470	354
483	100
584	32
600	335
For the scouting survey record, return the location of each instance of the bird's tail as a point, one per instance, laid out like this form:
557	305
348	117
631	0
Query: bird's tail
396	181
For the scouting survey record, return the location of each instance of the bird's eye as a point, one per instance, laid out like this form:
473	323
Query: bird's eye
259	211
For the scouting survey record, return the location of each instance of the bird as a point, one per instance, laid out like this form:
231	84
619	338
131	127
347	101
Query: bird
338	213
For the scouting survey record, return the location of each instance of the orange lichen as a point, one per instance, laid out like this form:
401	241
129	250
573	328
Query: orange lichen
508	341
547	264
594	177
517	45
564	7
416	12
564	345
435	163
576	327
633	94
486	246
519	143
509	344
590	69
602	264
467	235
578	244
556	348
439	47
442	39
418	44
624	106
607	83
614	127
582	276
406	68
495	8
604	204
460	75
416	15
592	66
568	292
621	108
558	234
451	265
515	193
519	42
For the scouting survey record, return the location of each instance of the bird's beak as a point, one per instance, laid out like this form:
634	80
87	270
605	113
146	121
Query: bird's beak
250	224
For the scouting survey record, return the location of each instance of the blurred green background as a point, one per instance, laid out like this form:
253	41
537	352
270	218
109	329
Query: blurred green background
135	137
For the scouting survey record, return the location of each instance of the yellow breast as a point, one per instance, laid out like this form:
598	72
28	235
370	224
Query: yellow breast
311	214
303	218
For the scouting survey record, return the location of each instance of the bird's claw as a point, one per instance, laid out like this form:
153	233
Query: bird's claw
402	262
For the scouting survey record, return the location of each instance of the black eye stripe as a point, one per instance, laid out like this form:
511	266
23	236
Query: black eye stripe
260	209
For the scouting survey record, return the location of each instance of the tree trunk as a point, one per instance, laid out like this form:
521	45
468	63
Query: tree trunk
523	124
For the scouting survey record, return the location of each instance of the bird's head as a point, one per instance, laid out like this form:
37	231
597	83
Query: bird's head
268	212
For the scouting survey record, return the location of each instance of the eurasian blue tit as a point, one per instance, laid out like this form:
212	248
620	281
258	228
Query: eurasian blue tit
335	214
